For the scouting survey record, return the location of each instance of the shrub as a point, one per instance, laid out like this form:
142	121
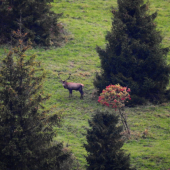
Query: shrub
104	143
35	17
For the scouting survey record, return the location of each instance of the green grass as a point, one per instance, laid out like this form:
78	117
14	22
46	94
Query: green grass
87	23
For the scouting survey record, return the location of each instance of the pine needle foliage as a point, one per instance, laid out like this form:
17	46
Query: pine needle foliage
38	20
134	56
104	143
26	126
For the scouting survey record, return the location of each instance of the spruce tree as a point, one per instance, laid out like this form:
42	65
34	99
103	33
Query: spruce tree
38	20
134	56
26	126
104	143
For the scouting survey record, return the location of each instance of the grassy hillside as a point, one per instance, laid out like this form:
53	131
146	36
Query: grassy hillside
87	22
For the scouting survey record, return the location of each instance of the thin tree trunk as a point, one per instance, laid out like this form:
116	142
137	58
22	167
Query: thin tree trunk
123	119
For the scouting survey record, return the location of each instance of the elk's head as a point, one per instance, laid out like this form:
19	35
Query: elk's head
64	82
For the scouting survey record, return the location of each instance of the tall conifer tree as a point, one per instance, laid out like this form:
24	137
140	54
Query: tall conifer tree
134	56
26	127
104	143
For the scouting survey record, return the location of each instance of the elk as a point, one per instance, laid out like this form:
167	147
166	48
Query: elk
72	86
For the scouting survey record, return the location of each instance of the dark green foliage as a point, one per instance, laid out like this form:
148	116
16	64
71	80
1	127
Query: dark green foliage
26	127
134	56
104	143
38	20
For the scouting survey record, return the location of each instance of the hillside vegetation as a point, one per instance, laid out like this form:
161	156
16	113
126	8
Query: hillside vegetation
86	23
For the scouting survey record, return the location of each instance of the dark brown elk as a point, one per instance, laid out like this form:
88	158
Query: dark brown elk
72	86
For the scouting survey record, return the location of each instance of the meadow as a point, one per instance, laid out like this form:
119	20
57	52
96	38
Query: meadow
86	23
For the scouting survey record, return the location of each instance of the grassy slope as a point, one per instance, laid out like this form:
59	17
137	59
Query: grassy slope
88	21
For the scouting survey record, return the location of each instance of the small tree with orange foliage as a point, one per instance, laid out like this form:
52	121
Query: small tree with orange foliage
115	96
